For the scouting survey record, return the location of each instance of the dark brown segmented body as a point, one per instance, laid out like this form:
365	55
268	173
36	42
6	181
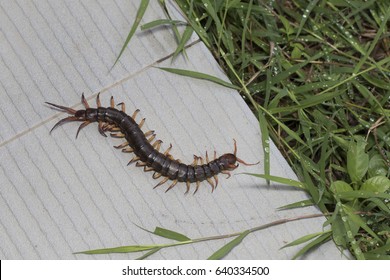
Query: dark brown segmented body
146	153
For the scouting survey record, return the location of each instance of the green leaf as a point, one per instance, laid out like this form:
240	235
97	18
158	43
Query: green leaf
223	251
265	140
302	239
376	184
199	75
297	204
338	187
358	221
357	160
151	252
122	249
184	39
140	13
160	22
377	166
324	237
170	234
338	232
285	181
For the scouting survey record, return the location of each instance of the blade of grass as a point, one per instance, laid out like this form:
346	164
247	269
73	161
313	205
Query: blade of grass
199	75
140	13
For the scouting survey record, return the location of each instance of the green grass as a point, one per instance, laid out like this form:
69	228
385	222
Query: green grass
317	75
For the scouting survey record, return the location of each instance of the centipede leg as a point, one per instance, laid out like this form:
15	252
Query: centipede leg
140	164
123	107
98	103
127	150
135	114
141	123
84	124
156	175
168	150
101	129
112	102
216	180
134	159
148	133
188	183
117	135
211	184
162	182
227	173
147	168
197	187
121	146
152	138
157	145
84	101
172	185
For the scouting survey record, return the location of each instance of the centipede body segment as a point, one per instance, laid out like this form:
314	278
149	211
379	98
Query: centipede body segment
146	147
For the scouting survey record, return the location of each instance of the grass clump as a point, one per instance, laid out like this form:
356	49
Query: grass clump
317	74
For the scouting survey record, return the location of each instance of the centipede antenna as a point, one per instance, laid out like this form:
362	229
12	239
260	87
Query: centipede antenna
61	122
235	146
240	160
245	163
70	111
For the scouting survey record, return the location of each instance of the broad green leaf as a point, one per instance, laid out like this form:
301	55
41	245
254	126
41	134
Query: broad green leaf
340	186
223	251
376	184
140	13
199	75
377	166
170	234
338	232
357	160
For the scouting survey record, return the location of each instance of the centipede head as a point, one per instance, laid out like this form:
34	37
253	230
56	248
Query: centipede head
231	161
75	115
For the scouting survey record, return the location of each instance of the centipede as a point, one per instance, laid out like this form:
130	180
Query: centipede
146	147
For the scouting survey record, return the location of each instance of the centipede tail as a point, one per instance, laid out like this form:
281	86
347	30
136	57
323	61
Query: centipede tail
146	147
